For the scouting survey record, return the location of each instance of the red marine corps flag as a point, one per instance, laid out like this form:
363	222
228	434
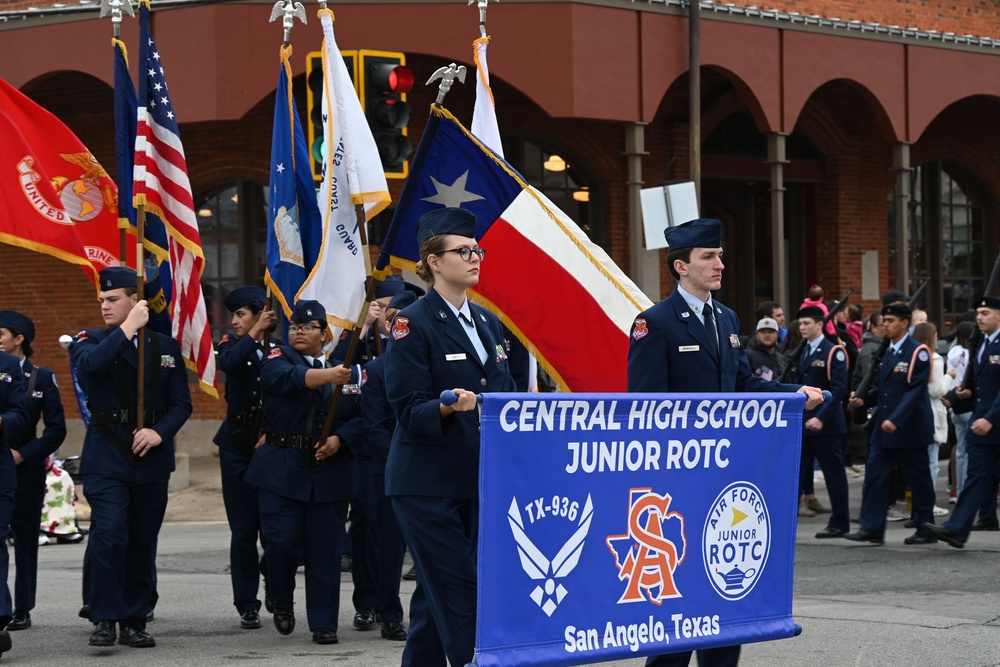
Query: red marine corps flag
55	197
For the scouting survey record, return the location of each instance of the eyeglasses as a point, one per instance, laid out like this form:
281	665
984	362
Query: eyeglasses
304	328
467	253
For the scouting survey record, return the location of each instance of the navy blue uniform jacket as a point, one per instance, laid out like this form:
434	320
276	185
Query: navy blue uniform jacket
825	369
376	415
985	388
96	354
286	471
669	351
431	352
13	414
901	397
44	400
239	359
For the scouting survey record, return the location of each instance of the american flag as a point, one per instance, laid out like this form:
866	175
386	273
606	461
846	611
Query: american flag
161	184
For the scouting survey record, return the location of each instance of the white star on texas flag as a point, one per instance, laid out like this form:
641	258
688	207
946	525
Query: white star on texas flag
454	195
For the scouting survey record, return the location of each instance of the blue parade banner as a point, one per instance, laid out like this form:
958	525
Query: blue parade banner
621	525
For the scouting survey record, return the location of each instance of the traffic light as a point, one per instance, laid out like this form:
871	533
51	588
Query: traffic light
385	80
314	104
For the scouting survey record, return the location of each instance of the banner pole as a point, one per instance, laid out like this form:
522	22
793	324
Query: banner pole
140	292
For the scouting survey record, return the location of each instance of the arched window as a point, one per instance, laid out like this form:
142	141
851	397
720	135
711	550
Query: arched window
564	179
946	240
232	221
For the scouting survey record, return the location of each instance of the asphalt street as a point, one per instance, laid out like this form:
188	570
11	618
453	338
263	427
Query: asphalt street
894	605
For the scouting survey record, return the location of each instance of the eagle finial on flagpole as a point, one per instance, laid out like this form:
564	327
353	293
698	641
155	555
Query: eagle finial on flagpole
288	11
447	75
115	9
483	4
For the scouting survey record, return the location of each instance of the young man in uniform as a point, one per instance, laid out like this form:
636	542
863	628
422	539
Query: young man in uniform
983	436
127	470
690	343
902	424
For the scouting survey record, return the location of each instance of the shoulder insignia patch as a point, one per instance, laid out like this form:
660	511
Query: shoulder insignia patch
401	328
639	329
274	353
922	355
225	339
81	336
840	355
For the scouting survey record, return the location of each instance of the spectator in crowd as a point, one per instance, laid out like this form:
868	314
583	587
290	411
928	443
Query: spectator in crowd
925	333
774	310
765	359
815	298
855	324
958	363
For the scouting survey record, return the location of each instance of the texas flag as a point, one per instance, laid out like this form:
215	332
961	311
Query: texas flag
561	294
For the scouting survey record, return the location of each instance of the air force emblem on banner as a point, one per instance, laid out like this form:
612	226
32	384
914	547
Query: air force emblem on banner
549	595
737	540
647	555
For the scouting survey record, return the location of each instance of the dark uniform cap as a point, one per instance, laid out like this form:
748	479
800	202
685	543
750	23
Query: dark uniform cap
402	300
11	319
117	277
700	233
893	296
243	296
446	221
391	286
985	302
308	310
813	312
898	310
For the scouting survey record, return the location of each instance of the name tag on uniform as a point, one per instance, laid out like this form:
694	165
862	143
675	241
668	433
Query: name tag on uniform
455	357
689	348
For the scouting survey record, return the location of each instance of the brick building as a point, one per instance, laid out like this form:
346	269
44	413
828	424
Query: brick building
843	143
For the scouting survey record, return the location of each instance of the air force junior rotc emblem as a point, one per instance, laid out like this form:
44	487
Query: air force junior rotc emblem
639	329
737	540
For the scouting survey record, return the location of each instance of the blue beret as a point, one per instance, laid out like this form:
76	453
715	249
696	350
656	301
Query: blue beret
242	296
898	310
812	312
117	277
985	302
700	233
446	221
402	300
307	310
391	286
11	319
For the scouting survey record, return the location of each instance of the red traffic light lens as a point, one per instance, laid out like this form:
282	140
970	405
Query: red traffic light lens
401	79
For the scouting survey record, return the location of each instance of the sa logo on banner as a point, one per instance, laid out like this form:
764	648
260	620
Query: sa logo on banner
647	555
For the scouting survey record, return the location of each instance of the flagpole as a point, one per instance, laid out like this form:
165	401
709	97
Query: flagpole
114	8
140	225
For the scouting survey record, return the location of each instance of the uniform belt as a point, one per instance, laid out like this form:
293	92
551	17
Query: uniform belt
127	417
249	417
303	443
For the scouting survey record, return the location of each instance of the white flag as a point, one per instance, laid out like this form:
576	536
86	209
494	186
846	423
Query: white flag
352	174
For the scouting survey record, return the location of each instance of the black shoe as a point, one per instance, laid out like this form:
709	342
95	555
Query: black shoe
830	531
325	636
364	619
84	612
284	621
104	634
268	600
920	538
411	574
250	620
986	524
20	621
5	643
345	563
909	524
943	534
135	637
150	616
862	536
394	631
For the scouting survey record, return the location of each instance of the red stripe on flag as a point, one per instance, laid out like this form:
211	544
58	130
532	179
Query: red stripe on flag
534	291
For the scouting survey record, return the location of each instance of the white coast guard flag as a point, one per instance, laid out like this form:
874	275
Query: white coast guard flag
352	174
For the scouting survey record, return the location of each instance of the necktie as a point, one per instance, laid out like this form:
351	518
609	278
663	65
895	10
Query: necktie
713	332
317	363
